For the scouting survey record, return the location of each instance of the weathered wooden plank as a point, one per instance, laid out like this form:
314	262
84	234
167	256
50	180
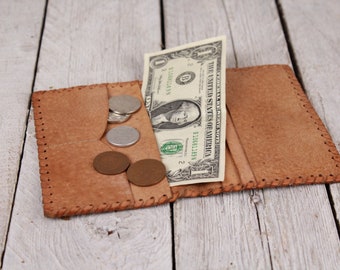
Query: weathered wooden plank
335	191
88	42
314	33
307	240
20	24
257	33
219	232
217	236
298	221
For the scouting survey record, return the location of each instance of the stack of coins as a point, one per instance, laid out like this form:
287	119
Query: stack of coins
144	172
121	108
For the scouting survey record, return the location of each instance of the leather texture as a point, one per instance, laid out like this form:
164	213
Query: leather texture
274	138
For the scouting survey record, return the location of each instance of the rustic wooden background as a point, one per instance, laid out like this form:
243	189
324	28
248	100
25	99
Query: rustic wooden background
61	43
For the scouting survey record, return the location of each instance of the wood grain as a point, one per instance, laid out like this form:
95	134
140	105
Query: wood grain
314	33
298	221
87	42
278	221
20	24
300	228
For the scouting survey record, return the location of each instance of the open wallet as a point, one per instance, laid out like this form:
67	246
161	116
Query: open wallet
274	138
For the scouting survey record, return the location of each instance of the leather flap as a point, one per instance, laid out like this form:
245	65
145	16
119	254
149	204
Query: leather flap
283	138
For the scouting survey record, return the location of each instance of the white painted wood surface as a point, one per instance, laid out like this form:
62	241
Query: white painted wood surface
20	24
295	233
88	42
315	36
282	232
313	28
92	41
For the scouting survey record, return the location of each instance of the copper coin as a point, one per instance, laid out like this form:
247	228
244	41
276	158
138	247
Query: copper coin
111	162
146	172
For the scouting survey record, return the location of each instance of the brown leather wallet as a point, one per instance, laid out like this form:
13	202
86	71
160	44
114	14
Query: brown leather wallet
274	138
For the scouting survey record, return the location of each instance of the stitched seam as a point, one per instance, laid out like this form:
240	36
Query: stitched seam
82	87
316	121
40	127
71	142
105	207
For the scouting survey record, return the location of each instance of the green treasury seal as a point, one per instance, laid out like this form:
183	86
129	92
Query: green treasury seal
171	148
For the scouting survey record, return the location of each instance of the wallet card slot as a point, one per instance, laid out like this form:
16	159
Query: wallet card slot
145	148
245	173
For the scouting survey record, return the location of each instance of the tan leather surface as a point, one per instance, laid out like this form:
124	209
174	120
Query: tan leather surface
68	115
274	138
70	127
72	186
237	152
282	136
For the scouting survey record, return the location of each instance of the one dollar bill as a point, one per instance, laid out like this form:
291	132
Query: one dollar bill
184	93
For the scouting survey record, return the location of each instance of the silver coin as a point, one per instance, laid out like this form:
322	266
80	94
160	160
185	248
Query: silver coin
114	118
124	104
122	136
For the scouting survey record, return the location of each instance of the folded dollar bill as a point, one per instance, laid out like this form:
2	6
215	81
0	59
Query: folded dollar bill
184	93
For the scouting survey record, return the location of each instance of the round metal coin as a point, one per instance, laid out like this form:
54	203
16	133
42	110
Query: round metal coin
122	136
114	118
124	104
146	172
111	162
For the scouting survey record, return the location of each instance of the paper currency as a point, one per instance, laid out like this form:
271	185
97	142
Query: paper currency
184	93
